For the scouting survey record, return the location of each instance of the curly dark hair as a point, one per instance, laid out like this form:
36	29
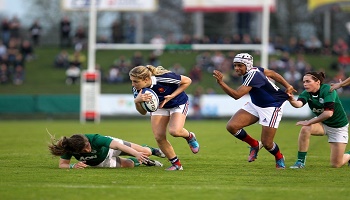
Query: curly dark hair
74	144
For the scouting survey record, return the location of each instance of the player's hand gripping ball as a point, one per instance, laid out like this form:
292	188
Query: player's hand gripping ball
153	104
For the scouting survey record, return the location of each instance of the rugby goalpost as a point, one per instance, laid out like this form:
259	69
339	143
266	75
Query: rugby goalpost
90	87
90	78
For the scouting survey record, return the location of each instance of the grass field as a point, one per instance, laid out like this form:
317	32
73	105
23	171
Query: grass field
219	171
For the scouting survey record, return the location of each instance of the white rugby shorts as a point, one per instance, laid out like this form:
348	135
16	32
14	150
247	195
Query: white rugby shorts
169	111
337	135
270	116
112	159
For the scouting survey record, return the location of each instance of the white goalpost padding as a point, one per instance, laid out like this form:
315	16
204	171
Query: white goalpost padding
90	79
265	34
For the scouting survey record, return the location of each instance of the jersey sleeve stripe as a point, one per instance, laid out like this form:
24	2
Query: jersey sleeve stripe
168	80
249	78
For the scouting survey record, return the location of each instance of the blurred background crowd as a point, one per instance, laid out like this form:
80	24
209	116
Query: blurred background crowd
68	32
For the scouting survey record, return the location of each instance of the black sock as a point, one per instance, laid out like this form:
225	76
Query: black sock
175	161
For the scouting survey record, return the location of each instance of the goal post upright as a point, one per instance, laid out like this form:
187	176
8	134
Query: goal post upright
92	37
90	87
265	35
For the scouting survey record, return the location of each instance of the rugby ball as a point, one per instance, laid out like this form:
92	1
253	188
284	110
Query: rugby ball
151	105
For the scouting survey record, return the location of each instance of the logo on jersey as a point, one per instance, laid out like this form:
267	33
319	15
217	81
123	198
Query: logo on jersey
321	100
315	110
87	158
161	90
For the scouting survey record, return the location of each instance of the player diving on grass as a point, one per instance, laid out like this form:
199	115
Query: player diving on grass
265	107
96	150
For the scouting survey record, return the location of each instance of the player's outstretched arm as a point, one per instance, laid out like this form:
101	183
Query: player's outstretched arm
140	156
341	83
65	164
277	77
236	94
294	102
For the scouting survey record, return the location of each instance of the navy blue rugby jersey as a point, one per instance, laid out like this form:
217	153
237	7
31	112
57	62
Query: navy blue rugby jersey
264	93
164	85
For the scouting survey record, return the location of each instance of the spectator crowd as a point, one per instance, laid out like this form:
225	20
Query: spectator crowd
15	50
286	57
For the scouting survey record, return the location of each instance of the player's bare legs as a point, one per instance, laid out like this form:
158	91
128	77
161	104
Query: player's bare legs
140	148
126	162
159	127
305	134
176	129
267	139
235	126
346	158
304	141
176	125
337	154
267	136
240	120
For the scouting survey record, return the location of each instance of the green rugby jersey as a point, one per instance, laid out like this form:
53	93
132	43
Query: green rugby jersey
99	150
316	104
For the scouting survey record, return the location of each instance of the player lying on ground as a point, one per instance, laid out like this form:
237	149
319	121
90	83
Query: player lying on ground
101	151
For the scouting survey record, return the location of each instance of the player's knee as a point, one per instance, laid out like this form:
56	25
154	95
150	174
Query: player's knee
160	139
127	163
305	130
232	128
147	151
174	131
336	165
267	144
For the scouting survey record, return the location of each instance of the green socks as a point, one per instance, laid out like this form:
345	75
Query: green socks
136	162
152	149
302	156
